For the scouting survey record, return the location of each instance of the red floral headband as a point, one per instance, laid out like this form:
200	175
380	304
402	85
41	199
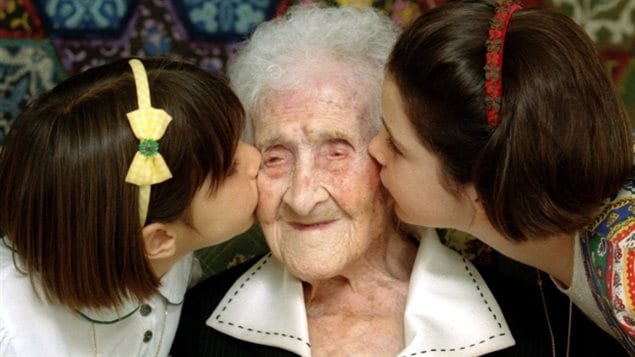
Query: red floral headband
494	61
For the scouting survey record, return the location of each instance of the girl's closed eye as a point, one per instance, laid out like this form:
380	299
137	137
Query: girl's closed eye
391	144
233	168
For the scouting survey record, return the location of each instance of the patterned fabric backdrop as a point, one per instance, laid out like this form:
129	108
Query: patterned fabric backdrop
44	41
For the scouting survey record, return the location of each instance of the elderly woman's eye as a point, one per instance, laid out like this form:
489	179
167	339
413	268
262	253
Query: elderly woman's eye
276	161
274	156
338	149
272	160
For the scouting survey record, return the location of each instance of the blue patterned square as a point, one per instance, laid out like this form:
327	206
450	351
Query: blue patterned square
85	18
225	20
27	68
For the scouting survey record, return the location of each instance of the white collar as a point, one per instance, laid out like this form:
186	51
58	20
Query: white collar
172	290
450	310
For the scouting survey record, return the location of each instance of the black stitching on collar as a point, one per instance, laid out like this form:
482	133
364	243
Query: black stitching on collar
275	333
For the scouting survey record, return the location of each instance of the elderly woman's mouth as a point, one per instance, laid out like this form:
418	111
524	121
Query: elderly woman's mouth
312	226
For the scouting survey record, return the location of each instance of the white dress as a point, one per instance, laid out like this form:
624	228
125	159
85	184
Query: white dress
31	327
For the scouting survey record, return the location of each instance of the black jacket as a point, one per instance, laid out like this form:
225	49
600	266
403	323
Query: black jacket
513	284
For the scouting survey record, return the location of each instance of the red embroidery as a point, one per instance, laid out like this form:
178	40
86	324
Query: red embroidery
494	61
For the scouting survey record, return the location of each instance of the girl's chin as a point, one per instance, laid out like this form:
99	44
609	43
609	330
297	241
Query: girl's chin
403	216
245	227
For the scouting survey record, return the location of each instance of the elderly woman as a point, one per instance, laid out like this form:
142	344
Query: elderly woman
342	277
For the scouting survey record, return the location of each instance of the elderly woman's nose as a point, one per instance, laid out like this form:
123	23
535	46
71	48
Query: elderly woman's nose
306	189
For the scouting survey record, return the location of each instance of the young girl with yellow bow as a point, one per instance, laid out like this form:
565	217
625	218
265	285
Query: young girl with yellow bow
109	182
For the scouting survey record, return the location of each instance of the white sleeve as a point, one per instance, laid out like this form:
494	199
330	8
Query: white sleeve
6	341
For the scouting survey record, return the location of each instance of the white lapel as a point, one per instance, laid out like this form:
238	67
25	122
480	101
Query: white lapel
265	306
450	311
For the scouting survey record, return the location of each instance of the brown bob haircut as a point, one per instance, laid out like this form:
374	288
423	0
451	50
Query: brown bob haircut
564	142
64	205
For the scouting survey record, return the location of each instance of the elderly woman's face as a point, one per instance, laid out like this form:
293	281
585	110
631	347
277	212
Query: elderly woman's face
321	204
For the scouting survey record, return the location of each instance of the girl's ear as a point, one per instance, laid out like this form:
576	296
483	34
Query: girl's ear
473	196
478	212
159	241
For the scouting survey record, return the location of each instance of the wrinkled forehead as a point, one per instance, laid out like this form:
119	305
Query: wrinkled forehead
325	110
321	96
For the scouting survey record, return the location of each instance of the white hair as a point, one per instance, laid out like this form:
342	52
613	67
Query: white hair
310	42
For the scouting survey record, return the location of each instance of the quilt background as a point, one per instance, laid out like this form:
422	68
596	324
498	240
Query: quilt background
45	41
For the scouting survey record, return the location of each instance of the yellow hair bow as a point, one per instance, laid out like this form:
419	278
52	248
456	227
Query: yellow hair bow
148	124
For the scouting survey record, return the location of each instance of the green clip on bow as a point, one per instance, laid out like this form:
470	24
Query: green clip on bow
148	124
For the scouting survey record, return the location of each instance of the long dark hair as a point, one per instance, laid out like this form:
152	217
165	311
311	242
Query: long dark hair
564	142
68	213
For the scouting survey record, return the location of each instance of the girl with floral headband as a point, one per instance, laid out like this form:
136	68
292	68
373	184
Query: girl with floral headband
109	182
529	151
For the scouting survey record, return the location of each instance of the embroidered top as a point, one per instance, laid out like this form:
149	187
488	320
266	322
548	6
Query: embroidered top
608	248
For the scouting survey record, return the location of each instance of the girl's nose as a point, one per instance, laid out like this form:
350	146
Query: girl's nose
375	147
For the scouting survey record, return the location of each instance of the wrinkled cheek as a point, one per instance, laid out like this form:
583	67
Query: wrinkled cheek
269	198
267	214
357	189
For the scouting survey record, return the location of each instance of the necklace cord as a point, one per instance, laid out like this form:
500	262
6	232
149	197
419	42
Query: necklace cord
569	322
544	307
